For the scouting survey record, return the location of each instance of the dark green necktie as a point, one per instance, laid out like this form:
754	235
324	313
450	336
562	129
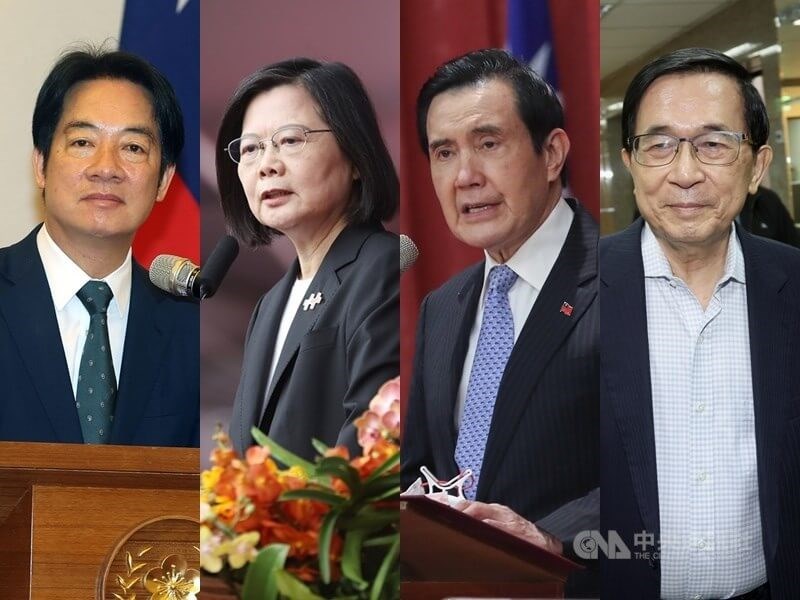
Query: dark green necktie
97	384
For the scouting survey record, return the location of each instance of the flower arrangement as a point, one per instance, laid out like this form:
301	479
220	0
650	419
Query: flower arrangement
276	526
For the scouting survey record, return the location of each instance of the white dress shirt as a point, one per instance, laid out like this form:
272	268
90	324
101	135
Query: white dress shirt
532	264
65	279
704	426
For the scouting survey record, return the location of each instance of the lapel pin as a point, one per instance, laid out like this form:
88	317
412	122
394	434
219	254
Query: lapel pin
566	309
311	302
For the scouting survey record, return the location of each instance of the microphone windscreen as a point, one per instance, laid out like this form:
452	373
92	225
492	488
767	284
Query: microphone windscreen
217	265
173	274
408	253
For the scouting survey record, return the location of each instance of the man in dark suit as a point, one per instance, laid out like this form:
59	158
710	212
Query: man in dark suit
90	350
700	433
505	374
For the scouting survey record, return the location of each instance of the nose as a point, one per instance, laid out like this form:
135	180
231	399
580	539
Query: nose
269	161
106	164
469	171
685	169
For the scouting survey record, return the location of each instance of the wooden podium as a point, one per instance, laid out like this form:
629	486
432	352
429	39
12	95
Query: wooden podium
445	553
82	522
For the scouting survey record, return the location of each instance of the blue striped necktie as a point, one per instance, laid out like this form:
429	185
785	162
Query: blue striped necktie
495	342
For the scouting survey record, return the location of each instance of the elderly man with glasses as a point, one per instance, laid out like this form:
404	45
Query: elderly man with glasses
699	420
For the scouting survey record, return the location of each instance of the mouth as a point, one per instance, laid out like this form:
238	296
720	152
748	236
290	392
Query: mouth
99	198
687	207
274	194
475	208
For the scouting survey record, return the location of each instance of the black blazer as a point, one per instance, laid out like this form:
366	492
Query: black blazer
158	400
335	356
628	481
542	448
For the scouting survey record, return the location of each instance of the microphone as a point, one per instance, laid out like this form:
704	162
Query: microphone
174	274
181	277
408	253
217	265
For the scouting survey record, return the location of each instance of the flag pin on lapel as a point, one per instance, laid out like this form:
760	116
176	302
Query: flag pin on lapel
566	309
311	302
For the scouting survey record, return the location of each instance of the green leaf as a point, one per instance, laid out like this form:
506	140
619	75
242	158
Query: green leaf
380	541
370	519
325	537
351	558
390	493
390	462
320	447
320	495
378	486
338	467
291	587
280	453
388	561
260	581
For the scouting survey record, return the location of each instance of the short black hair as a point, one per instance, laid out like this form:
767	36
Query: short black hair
89	63
696	60
345	107
537	103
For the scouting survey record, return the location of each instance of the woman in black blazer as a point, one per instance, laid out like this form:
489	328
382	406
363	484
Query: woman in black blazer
300	154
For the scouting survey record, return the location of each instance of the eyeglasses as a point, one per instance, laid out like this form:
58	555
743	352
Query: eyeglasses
287	141
712	148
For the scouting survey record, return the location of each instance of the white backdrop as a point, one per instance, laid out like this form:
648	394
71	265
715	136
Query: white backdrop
33	34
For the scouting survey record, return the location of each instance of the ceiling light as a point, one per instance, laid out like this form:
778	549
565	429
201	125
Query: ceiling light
741	49
769	50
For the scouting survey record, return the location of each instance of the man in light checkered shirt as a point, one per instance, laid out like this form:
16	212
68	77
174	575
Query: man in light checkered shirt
700	393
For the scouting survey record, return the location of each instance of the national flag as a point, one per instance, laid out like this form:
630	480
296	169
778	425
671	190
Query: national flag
167	34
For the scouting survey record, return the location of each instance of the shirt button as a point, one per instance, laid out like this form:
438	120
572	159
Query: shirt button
697	597
701	477
701	544
700	407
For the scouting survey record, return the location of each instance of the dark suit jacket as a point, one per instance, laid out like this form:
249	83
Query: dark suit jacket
629	482
158	394
335	356
543	441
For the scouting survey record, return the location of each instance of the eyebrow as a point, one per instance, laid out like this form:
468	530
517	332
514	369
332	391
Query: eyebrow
480	130
277	129
707	127
140	129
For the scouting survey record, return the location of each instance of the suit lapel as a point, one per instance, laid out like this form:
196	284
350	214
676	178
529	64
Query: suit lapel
31	318
573	280
769	338
260	346
343	251
147	335
452	340
625	364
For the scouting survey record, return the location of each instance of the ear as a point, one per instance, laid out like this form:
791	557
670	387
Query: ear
555	149
38	168
626	158
163	185
763	158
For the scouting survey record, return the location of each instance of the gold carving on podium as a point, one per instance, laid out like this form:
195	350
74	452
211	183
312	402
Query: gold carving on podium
173	580
159	560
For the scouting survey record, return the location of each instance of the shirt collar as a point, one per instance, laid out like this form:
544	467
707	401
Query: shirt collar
656	264
65	278
535	258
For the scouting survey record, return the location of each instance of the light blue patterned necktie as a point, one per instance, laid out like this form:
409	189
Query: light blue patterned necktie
495	342
97	383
